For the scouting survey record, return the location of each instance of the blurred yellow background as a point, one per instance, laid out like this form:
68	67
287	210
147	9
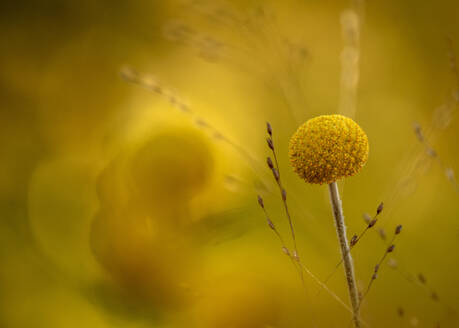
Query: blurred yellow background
132	149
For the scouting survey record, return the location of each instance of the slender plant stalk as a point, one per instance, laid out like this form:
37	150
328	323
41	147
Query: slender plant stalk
345	251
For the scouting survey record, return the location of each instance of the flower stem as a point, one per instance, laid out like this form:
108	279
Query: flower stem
345	251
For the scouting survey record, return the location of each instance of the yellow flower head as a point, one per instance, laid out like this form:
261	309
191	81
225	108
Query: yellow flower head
327	148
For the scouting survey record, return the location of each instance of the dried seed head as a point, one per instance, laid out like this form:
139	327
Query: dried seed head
129	74
269	128
431	152
327	148
284	195
400	312
422	279
260	202
372	223
218	136
380	208
418	131
353	240
285	250
390	249
200	122
269	161
270	143
276	174
295	256
376	268
398	229
184	107
271	224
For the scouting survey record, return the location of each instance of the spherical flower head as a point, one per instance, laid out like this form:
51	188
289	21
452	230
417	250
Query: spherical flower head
327	148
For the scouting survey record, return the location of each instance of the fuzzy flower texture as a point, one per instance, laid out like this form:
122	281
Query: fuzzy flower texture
327	148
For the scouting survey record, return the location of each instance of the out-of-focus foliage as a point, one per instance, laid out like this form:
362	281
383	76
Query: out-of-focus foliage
131	206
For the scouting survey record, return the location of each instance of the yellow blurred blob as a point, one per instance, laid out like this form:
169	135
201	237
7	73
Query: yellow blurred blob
139	235
171	167
159	174
147	258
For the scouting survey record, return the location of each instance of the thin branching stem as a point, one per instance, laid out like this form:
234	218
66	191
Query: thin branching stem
389	249
283	194
303	267
371	223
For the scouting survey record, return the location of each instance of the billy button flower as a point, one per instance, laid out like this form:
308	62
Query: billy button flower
327	148
323	150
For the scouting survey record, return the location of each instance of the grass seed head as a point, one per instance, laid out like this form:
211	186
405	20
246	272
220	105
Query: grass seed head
269	129
380	208
269	161
260	201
